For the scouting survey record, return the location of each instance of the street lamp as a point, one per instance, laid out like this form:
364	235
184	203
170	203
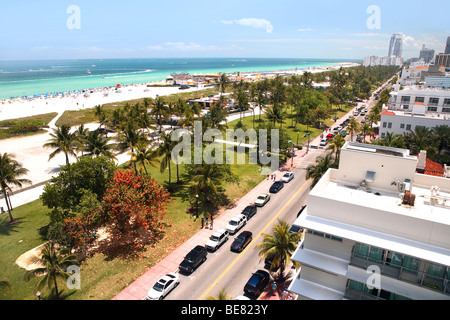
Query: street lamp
297	137
196	196
307	135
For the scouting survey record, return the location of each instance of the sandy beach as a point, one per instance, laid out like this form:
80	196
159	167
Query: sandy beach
29	151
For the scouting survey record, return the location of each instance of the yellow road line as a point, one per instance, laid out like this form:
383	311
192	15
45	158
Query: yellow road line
251	243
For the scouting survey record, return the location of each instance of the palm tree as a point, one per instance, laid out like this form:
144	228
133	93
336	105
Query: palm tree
366	129
335	145
222	84
316	171
419	139
276	114
352	127
144	155
55	263
159	110
62	140
390	140
10	171
165	150
280	245
441	135
223	295
95	144
99	111
129	137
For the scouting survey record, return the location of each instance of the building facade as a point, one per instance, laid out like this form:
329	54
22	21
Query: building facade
375	229
396	45
426	54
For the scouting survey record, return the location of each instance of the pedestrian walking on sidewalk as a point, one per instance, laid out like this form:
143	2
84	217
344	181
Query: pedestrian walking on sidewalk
211	222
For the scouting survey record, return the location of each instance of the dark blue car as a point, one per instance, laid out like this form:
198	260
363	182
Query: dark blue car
276	186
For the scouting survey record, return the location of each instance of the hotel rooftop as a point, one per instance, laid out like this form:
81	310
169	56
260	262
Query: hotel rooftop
376	200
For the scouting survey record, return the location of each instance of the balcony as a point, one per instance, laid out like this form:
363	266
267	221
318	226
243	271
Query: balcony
417	277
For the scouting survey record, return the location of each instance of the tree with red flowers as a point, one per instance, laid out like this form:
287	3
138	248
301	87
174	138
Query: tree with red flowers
133	203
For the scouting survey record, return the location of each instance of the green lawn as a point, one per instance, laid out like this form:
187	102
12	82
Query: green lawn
101	276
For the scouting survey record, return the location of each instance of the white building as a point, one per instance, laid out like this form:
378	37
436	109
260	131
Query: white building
436	99
371	61
399	122
396	45
376	229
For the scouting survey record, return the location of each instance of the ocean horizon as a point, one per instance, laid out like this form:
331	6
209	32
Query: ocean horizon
22	78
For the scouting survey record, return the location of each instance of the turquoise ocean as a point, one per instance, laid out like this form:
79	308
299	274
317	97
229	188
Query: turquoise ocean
29	78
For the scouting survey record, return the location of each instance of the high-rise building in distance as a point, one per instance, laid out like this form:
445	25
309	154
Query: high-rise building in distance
396	45
447	47
426	54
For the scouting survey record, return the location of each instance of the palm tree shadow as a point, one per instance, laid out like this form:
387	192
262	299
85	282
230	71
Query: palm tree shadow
7	228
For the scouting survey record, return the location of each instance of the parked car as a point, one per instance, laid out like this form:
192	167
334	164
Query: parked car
217	239
249	211
193	259
262	199
236	223
241	241
330	136
295	228
323	142
163	286
288	176
257	283
268	264
276	186
343	133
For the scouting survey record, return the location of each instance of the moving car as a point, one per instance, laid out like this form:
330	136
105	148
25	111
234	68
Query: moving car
241	241
288	176
276	186
262	199
257	283
163	286
236	223
193	259
249	211
217	239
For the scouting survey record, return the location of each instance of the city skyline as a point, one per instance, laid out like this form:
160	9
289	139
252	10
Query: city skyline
139	29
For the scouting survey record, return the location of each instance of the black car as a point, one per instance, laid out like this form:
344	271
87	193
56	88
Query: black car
193	259
276	186
249	211
268	264
257	283
241	241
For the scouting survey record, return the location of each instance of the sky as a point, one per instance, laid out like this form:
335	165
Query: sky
346	29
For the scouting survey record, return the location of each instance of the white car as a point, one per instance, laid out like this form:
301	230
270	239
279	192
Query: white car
323	142
288	176
163	286
217	238
262	199
236	223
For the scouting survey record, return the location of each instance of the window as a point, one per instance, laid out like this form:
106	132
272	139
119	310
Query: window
410	264
447	102
408	127
445	109
419	99
432	108
433	101
406	99
389	125
402	126
406	106
437	270
384	124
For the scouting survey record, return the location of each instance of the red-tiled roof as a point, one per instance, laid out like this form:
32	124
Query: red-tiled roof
432	168
421	103
390	113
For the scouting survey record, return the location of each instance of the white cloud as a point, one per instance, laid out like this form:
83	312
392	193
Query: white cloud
305	29
252	22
